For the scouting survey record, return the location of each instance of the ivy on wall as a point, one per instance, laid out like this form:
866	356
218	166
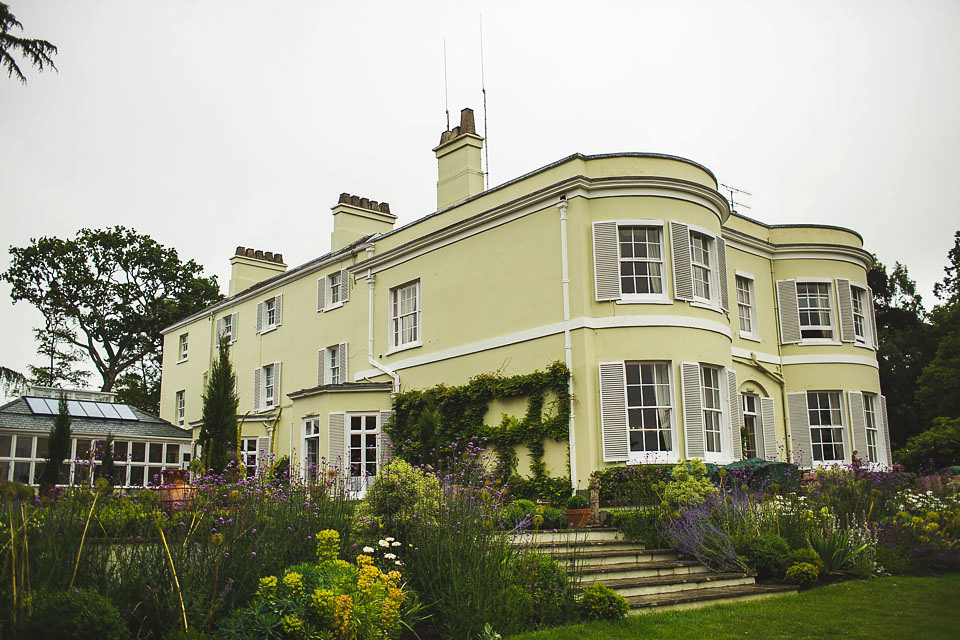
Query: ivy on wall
429	424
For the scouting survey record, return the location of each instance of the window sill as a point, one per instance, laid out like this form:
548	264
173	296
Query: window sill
404	347
643	300
269	329
333	306
181	360
814	342
704	304
750	337
865	345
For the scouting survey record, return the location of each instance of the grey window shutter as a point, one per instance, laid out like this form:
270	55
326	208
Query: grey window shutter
263	453
259	317
344	285
873	325
606	261
800	448
320	367
220	333
789	312
858	424
342	361
234	327
886	431
276	384
337	443
257	391
768	424
722	274
682	267
385	451
613	412
736	414
845	305
278	301
692	410
321	292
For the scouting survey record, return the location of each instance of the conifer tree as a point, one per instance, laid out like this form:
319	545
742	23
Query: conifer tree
108	466
220	402
58	447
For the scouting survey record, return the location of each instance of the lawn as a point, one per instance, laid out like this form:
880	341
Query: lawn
892	607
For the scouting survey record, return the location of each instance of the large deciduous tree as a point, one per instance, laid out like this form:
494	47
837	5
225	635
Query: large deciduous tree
112	291
219	415
37	52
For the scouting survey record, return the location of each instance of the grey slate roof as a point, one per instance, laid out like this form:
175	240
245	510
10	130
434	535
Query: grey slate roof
16	415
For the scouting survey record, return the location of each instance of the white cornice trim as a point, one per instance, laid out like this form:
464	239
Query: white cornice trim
747	354
853	255
831	358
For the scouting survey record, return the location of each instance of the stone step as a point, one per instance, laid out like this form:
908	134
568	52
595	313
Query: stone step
583	546
705	597
605	557
632	570
556	536
675	583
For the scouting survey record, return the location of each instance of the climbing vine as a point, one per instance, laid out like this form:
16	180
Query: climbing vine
429	423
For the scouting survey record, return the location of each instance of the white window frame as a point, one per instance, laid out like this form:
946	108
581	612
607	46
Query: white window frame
702	265
312	470
711	399
332	361
269	386
181	407
395	326
262	400
183	345
227	328
752	415
747	309
641	455
831	311
269	306
639	298
835	429
608	262
716	269
871	425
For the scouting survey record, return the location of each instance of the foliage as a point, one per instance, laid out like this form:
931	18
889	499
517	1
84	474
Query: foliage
938	387
552	489
689	485
836	549
59	357
524	514
935	448
330	598
630	484
114	291
75	614
399	494
58	446
640	523
703	530
803	574
767	553
577	501
600	602
108	467
219	413
427	422
11	381
807	555
549	588
856	490
38	52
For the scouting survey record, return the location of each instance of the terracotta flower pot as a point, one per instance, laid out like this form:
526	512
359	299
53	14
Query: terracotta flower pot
577	518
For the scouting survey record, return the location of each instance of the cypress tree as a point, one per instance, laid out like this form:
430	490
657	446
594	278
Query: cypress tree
108	467
58	447
219	415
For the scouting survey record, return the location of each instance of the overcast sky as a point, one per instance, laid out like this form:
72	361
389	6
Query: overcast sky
210	124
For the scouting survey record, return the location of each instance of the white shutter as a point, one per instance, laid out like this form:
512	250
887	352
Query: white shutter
342	361
276	384
800	448
337	443
263	453
259	317
320	367
682	267
873	324
722	274
736	414
789	312
768	424
278	301
886	431
858	424
606	261
220	332
344	285
613	412
257	389
845	305
385	449
321	292
234	327
692	410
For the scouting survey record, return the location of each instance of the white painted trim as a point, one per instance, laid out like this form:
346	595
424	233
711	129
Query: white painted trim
746	354
821	252
743	274
654	298
615	322
831	358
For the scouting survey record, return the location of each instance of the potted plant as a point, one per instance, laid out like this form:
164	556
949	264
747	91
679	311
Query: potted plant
578	512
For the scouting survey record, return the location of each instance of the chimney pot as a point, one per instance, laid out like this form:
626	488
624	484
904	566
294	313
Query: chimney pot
250	252
258	254
344	198
278	258
467	125
240	251
355	201
268	255
384	207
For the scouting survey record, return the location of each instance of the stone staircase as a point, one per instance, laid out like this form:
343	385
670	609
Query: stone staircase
650	579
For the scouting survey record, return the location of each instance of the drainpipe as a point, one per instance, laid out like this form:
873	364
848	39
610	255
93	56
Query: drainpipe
567	347
373	362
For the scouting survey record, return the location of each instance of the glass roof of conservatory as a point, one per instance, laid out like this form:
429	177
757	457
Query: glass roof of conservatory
82	409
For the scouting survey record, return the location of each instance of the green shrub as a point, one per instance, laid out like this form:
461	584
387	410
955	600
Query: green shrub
689	485
803	574
642	523
549	588
599	602
837	549
807	555
525	511
399	493
577	501
75	613
767	554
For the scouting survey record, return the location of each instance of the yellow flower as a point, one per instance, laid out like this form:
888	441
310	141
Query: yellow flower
328	545
394	578
322	603
537	520
363	561
268	587
293	625
343	616
931	527
294	582
369	576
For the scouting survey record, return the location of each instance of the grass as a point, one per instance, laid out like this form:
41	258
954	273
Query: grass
893	607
